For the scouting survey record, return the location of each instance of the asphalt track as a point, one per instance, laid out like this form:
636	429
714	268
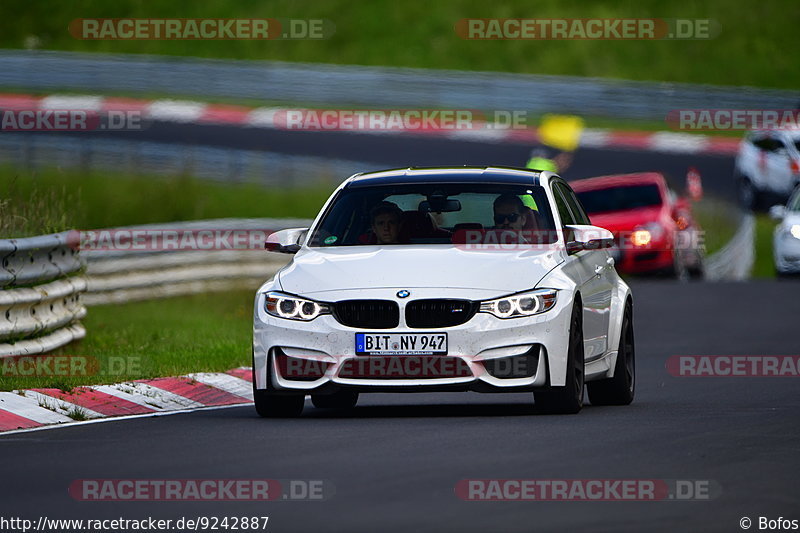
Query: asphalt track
392	151
394	460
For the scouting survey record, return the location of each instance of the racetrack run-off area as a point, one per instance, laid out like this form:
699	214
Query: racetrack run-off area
394	460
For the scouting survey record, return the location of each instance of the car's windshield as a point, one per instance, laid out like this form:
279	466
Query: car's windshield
431	213
794	202
620	198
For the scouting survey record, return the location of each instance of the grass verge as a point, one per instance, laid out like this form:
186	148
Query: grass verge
718	220
39	202
170	337
764	265
384	32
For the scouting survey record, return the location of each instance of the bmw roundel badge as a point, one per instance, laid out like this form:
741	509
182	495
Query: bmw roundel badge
403	294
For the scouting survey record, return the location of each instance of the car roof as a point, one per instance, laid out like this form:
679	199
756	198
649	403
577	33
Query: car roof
617	180
465	174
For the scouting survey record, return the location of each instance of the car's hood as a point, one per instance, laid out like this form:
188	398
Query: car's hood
790	219
357	267
616	221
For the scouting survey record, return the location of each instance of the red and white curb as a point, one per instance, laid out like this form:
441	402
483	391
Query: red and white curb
191	112
35	408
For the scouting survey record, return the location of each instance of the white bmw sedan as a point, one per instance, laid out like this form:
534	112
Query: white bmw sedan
786	238
445	279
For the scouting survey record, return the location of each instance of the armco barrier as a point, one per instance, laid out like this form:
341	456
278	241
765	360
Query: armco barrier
40	305
734	261
46	315
116	276
38	259
348	85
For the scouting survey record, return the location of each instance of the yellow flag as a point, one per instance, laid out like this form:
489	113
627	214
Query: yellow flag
561	131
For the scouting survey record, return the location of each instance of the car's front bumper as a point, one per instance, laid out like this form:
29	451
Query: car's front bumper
787	253
484	354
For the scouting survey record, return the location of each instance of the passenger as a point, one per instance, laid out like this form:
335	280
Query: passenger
385	222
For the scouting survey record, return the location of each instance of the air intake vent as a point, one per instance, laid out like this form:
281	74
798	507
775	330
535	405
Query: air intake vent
439	313
367	314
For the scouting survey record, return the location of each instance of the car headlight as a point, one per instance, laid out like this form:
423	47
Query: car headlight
795	231
291	307
522	304
646	233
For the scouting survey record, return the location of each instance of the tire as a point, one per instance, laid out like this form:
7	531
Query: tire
749	195
343	399
620	389
568	399
271	405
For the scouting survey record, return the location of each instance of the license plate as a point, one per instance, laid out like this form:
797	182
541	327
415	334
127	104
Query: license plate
401	343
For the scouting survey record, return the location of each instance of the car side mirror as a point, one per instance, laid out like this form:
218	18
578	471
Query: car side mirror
285	241
587	237
777	212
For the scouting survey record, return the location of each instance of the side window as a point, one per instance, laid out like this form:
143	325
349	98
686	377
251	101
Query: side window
563	211
767	144
574	204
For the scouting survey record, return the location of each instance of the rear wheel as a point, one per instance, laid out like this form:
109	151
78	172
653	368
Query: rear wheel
342	399
620	389
569	398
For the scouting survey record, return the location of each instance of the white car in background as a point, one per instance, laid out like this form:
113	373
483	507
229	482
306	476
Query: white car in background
767	166
786	239
445	306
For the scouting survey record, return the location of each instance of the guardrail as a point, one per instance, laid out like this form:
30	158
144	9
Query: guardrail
116	276
40	305
313	83
46	315
34	150
734	261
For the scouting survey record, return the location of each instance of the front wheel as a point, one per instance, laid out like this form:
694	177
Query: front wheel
569	398
620	389
271	405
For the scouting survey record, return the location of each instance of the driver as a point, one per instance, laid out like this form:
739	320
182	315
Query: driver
385	220
510	212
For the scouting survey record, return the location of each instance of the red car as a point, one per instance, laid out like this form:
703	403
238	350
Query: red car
654	228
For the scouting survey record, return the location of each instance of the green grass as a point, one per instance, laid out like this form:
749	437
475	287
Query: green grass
718	220
37	202
169	337
755	46
764	265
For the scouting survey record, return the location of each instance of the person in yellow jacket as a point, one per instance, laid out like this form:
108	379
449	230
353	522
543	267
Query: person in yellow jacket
546	158
559	136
